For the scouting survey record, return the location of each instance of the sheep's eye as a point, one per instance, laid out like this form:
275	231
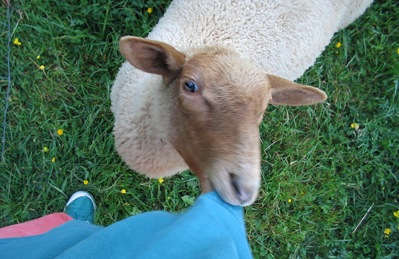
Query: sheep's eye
191	86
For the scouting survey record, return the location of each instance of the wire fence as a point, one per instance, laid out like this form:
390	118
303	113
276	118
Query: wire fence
6	26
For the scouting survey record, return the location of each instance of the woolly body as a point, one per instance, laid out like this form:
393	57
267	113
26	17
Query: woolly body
283	38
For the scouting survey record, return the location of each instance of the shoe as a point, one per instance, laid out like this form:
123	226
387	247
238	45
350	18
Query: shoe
81	206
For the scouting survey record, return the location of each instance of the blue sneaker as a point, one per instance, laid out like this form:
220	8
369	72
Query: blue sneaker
81	206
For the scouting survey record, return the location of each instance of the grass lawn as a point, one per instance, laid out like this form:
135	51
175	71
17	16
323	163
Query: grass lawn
330	172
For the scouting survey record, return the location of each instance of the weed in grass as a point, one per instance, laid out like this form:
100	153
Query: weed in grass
338	177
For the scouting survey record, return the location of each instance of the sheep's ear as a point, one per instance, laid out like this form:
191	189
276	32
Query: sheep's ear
152	56
285	92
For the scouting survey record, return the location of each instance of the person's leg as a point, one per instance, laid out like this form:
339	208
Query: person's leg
36	226
80	206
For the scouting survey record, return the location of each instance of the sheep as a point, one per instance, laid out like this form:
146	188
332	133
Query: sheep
193	93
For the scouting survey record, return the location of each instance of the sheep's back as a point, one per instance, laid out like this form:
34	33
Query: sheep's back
282	37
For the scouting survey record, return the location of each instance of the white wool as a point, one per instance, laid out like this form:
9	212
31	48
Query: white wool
283	37
140	108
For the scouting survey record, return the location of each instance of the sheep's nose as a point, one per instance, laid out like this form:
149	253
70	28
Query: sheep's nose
242	194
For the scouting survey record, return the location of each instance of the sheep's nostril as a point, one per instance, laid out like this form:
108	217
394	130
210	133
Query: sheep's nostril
241	193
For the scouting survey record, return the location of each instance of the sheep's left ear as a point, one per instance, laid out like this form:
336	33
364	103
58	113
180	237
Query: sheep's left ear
285	92
152	56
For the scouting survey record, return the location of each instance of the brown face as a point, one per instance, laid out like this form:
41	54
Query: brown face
220	101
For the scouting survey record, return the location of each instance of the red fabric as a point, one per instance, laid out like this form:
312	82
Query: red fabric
36	226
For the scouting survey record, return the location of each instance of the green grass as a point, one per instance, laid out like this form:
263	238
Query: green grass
331	172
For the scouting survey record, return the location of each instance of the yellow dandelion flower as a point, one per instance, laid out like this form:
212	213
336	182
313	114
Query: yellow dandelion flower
396	214
85	182
41	67
169	199
17	42
38	57
149	10
160	180
398	50
60	132
53	160
45	149
386	235
387	231
289	200
355	125
338	45
123	191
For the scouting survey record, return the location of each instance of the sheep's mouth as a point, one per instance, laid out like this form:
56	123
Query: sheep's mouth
233	183
232	191
243	196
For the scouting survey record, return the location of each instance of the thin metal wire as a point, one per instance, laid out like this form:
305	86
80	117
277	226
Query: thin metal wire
8	78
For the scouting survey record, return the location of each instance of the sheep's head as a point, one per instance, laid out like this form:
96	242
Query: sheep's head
219	103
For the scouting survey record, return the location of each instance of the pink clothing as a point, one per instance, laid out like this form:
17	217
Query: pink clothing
36	226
